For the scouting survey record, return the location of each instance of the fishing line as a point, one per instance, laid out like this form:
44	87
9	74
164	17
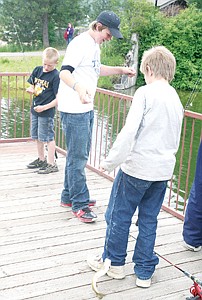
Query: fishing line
193	93
21	47
18	38
195	289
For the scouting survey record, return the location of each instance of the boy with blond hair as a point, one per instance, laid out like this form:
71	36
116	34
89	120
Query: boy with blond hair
44	82
145	149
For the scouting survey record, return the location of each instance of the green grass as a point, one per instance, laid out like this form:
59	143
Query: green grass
22	64
26	63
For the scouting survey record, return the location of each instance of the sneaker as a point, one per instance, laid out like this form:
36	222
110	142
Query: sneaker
192	248
96	263
146	283
63	204
85	215
48	168
37	163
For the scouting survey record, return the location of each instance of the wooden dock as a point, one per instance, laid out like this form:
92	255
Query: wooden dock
43	247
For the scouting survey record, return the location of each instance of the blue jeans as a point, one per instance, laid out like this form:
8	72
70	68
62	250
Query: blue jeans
127	194
192	228
78	131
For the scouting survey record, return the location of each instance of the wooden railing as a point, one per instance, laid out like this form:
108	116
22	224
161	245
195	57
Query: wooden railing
111	109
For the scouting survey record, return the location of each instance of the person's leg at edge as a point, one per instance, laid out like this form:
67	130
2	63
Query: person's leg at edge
192	227
144	257
78	132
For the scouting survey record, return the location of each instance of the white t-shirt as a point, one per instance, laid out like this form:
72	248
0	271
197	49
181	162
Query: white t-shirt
83	54
146	146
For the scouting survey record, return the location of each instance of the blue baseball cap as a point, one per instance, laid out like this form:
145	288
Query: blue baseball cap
112	21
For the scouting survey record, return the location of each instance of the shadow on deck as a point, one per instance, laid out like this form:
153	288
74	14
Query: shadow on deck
44	247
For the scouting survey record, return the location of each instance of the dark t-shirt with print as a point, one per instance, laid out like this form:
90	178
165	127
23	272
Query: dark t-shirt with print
46	87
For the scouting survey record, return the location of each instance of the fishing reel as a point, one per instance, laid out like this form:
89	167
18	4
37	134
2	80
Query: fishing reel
196	291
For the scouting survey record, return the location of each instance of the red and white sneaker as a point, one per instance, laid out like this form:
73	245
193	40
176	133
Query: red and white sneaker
85	215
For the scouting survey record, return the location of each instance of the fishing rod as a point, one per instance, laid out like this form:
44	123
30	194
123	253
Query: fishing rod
196	289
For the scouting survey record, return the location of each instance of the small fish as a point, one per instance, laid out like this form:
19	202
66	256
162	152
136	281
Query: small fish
100	273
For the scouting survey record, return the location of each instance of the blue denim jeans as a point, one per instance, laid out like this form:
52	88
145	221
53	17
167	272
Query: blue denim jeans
127	194
78	132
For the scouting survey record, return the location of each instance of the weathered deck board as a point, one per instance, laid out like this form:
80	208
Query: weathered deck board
43	247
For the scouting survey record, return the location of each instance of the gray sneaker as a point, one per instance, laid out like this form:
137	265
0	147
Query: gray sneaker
37	163
143	283
48	168
192	248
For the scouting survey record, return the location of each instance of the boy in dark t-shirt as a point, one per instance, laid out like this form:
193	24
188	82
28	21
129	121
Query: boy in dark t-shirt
44	82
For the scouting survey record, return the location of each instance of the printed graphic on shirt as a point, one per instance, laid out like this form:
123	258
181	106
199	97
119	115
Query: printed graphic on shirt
40	86
96	63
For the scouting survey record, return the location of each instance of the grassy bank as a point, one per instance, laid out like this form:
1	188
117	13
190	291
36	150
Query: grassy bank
22	63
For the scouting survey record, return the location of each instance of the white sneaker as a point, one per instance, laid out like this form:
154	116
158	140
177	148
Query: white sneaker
192	248
143	283
96	263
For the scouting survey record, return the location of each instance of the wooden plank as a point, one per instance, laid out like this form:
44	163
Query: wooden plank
44	247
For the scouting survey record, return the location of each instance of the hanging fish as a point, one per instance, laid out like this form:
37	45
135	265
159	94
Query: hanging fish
100	273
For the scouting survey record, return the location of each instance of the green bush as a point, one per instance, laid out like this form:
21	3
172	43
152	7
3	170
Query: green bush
181	34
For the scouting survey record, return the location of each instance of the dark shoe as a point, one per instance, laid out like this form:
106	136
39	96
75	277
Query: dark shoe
37	163
85	215
48	168
91	203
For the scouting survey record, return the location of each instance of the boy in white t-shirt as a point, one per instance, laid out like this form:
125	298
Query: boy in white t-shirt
79	74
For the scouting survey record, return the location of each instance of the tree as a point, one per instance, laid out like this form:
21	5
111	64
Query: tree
30	21
94	8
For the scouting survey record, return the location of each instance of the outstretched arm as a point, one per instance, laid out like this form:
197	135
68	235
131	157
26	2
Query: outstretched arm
110	70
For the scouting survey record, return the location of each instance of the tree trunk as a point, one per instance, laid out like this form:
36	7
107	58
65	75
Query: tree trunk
45	30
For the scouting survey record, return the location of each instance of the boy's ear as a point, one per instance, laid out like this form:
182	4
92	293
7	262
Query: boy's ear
149	70
99	26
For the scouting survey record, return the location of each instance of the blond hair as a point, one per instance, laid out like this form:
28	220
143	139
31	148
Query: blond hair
94	26
51	54
161	62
